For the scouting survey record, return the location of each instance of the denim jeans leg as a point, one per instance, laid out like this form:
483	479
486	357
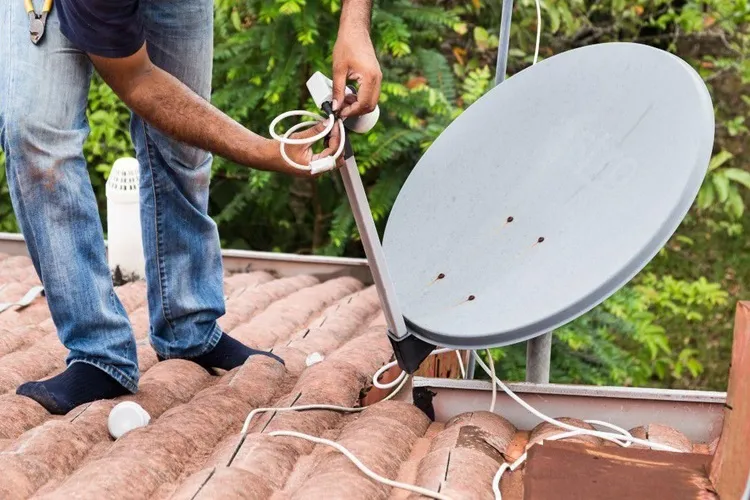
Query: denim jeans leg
43	93
183	260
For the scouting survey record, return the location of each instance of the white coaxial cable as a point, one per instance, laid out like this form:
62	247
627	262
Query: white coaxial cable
316	166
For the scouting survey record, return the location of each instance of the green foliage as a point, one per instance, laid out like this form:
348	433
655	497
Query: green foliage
7	219
109	138
723	188
623	342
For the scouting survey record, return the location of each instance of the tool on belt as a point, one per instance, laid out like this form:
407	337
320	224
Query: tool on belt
37	22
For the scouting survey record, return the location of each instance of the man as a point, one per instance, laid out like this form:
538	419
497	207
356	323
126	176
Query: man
156	55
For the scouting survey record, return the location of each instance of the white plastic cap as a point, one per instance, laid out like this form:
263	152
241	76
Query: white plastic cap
123	181
126	417
365	123
314	359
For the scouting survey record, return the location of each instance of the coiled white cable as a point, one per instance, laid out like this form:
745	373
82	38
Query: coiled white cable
316	166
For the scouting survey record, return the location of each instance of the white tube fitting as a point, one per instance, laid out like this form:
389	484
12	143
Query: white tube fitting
126	417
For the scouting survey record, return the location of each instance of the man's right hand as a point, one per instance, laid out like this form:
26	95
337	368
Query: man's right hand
304	154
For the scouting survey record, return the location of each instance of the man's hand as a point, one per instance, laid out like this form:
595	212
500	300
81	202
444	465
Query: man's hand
354	59
303	153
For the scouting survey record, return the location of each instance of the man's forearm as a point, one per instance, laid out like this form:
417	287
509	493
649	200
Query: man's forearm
168	105
165	102
356	15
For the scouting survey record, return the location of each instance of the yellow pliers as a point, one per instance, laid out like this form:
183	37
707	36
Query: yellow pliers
37	22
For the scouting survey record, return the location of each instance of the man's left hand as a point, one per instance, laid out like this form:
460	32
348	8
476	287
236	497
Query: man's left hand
354	59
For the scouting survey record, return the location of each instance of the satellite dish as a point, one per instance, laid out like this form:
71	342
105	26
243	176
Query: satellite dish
548	194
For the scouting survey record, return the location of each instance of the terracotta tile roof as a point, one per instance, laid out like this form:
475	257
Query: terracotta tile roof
191	448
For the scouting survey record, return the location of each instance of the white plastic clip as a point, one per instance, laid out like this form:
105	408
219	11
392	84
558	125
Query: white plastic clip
322	165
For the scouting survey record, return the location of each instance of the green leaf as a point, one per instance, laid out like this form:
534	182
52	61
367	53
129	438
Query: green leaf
738	175
706	196
438	72
719	160
736	126
236	22
695	367
482	38
721	183
735	205
554	19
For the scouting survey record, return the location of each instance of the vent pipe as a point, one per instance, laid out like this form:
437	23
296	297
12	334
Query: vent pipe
125	248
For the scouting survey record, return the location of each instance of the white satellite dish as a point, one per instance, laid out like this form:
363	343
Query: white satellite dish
548	194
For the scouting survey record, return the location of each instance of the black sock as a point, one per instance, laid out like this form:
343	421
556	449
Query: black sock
229	353
80	383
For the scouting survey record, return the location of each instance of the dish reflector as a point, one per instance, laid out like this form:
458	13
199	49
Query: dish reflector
548	194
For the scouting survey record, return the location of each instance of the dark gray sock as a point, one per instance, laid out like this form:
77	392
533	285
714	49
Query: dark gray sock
80	383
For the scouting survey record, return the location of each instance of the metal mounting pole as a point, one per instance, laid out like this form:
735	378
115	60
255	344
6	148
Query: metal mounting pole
538	354
355	191
504	41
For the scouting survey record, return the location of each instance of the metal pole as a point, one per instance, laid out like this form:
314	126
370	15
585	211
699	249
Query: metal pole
355	191
538	354
504	41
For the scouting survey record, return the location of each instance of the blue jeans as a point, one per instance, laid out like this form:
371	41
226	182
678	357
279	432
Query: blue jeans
43	94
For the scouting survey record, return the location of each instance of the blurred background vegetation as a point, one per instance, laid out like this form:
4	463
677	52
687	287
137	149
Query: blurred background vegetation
670	327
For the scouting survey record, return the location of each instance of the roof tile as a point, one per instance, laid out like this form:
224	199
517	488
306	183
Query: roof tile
381	438
662	434
19	414
465	456
546	430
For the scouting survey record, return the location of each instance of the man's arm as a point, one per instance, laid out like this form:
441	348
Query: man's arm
354	59
171	107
